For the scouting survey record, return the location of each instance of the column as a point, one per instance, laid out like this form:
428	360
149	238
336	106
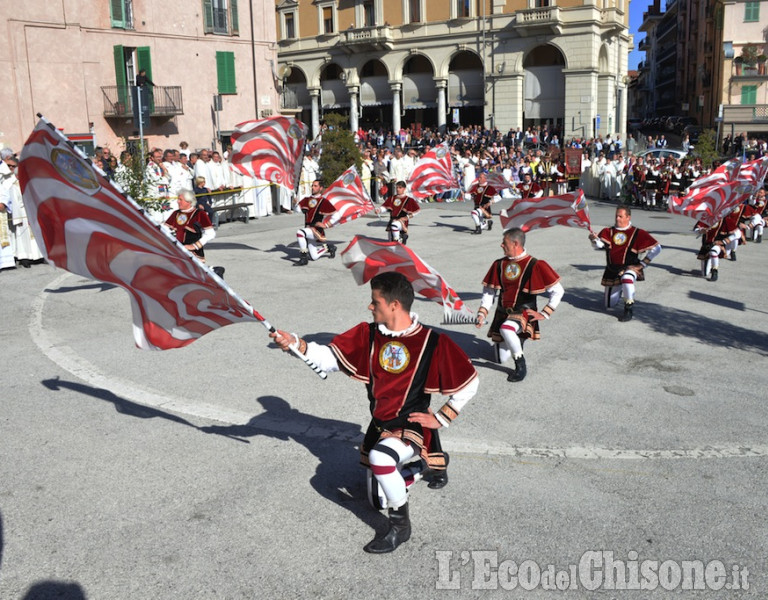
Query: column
314	93
396	106
441	85
354	109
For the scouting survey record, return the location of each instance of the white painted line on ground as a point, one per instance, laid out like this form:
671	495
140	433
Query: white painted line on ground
63	356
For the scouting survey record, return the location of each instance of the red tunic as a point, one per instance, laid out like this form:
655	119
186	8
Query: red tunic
391	363
482	195
315	208
529	190
520	281
188	226
622	247
400	207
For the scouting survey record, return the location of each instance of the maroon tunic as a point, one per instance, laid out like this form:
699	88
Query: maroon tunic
622	247
188	226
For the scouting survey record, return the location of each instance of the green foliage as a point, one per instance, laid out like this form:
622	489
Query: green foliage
339	151
706	147
749	54
131	179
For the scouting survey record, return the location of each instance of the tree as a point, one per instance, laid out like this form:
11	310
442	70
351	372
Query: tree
706	147
339	151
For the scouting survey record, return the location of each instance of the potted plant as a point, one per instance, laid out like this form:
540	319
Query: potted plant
761	63
738	62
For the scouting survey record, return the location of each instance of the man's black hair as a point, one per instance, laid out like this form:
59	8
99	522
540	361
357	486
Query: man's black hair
394	286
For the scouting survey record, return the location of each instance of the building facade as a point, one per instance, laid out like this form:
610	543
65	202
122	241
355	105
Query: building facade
496	63
706	59
76	61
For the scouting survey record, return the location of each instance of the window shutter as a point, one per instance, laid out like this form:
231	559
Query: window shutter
225	71
234	17
120	77
749	94
207	16
145	62
117	13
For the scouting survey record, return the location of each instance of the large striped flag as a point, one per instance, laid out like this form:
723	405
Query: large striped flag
710	198
86	225
498	181
433	174
367	257
270	149
569	209
349	196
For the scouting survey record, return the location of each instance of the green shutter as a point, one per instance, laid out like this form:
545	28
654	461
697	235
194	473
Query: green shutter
145	62
225	71
749	94
117	13
751	12
207	16
120	78
235	29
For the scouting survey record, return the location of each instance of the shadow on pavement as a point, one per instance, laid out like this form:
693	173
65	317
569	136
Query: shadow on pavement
101	286
60	590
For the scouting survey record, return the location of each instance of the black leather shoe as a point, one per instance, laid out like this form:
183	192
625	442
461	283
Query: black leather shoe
303	259
219	271
399	532
331	251
733	255
520	370
490	224
713	276
403	238
478	230
438	481
627	316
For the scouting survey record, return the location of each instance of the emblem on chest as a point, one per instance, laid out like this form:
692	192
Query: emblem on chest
394	357
512	271
619	238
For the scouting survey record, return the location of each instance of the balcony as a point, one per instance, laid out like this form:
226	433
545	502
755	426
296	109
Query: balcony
747	117
743	71
163	101
538	21
367	39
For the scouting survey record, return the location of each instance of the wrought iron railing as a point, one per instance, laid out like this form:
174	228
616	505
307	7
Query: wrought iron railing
163	101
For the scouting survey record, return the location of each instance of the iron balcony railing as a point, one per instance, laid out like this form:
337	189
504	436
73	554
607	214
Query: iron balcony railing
163	101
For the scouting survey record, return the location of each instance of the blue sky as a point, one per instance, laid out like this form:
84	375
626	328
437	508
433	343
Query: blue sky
636	10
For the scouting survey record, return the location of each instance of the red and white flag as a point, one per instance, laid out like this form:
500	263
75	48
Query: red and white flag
723	174
433	174
755	171
86	226
498	181
710	204
349	196
270	149
569	209
367	257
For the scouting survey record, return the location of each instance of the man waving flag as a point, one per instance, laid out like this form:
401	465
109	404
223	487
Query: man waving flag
349	196
569	209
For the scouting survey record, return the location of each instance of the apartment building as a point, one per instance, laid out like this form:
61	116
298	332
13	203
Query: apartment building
212	63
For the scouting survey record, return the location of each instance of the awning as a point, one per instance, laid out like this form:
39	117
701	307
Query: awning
544	93
375	91
419	91
334	94
466	88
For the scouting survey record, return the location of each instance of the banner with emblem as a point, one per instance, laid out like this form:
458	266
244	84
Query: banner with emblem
270	149
570	210
349	197
433	174
367	257
87	226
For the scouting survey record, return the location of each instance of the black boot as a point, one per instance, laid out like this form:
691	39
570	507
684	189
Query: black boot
627	316
478	230
733	255
713	276
403	238
399	532
25	262
219	271
331	251
520	370
303	259
759	239
490	224
438	481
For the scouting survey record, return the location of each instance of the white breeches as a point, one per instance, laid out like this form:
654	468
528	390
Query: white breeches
626	289
396	231
386	468
479	218
512	347
308	243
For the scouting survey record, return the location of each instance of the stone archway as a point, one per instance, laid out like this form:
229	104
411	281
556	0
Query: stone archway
295	95
375	96
419	93
466	88
334	96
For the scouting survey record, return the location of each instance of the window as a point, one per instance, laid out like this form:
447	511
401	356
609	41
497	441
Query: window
751	12
749	94
369	13
541	3
121	13
463	8
328	19
221	17
414	11
289	26
225	72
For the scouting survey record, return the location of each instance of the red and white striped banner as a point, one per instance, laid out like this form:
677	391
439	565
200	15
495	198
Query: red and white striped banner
349	196
85	225
433	174
570	210
270	149
367	257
